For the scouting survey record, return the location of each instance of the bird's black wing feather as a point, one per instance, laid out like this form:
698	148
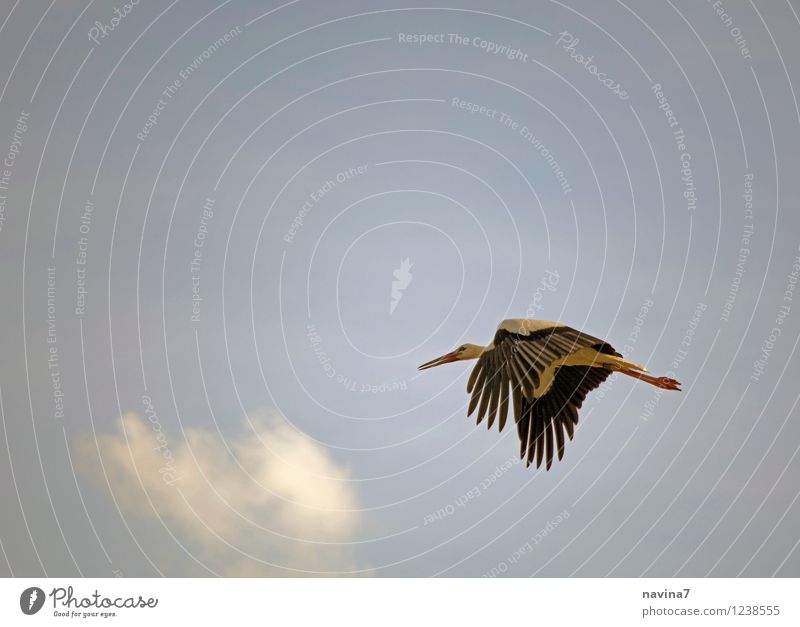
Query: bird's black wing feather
544	420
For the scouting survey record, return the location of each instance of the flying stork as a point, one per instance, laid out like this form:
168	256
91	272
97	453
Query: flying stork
547	368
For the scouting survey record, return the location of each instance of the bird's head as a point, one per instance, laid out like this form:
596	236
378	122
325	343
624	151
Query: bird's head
465	351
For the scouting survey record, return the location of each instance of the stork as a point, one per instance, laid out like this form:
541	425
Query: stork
547	369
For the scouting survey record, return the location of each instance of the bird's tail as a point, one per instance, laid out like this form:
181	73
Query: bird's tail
617	362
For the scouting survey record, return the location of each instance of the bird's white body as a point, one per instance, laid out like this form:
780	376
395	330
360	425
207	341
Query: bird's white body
523	326
583	357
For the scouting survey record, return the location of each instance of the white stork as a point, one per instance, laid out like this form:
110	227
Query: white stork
548	369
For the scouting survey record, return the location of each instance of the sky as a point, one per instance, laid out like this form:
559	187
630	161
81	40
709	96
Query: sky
231	231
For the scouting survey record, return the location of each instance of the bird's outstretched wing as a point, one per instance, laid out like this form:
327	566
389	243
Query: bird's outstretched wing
544	421
528	369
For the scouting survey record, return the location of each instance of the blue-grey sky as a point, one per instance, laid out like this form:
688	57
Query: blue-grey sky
230	232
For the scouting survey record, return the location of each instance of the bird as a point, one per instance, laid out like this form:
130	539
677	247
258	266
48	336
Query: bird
545	369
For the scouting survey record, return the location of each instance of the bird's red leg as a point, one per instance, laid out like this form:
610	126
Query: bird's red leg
665	383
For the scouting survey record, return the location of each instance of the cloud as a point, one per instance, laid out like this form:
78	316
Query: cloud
267	494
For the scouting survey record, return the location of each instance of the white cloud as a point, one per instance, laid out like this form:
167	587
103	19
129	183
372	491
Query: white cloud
295	491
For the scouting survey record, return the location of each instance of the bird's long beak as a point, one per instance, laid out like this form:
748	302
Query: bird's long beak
444	359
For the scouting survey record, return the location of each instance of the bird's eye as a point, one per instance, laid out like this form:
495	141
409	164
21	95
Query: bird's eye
462	348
